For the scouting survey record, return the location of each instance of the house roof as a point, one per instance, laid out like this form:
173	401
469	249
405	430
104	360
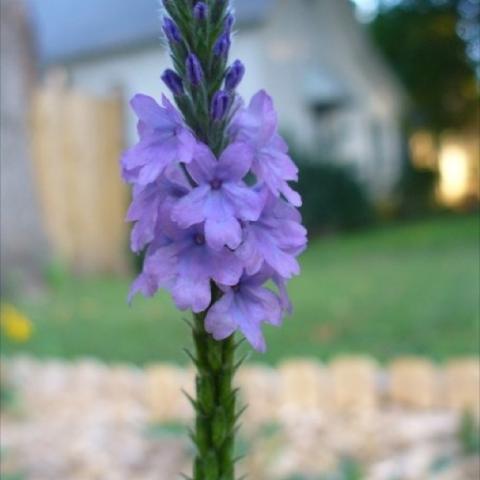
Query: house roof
67	30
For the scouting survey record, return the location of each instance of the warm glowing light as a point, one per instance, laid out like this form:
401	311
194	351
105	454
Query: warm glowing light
454	173
423	150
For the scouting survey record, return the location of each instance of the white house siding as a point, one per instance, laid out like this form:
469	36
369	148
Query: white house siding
377	99
307	36
131	72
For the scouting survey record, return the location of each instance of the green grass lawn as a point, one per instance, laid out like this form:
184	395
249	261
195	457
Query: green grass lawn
411	288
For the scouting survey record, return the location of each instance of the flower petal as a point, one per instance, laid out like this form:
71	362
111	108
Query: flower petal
250	255
258	122
247	203
219	321
271	305
261	105
151	113
144	284
203	166
223	231
221	226
226	267
235	162
191	292
189	210
247	314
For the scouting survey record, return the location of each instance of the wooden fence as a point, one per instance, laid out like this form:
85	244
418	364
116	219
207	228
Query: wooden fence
77	142
346	385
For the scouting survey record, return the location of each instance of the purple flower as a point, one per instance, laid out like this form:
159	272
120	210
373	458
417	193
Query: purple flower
173	81
234	75
157	269
153	202
200	11
181	261
164	140
257	125
220	221
245	307
221	198
219	106
194	70
171	31
274	240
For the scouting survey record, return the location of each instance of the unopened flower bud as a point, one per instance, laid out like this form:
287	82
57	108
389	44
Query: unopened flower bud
194	70
173	81
234	75
200	11
171	31
222	45
219	105
229	21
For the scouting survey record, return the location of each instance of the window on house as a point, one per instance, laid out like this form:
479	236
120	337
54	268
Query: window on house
378	150
330	128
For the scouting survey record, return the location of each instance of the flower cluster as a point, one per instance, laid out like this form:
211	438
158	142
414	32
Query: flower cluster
212	206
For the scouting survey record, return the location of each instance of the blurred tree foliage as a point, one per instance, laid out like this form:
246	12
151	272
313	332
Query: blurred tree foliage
416	191
433	45
333	198
469	433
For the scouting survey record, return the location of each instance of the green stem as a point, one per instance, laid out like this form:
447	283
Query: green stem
215	405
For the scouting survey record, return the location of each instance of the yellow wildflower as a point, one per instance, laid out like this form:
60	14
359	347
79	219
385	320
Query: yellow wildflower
15	325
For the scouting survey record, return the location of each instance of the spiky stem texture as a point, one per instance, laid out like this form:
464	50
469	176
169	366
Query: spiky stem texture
215	403
215	406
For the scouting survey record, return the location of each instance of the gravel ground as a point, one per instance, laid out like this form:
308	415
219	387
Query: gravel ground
87	421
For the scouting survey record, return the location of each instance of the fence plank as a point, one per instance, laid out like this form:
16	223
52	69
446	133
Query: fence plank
354	382
77	141
462	382
414	382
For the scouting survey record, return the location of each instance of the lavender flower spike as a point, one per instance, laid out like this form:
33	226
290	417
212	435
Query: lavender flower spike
234	75
194	70
213	212
173	81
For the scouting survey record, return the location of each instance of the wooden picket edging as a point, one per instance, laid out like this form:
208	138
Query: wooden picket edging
77	142
348	384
